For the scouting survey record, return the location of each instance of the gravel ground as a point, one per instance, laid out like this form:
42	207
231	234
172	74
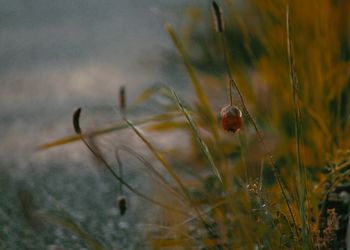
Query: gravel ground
88	195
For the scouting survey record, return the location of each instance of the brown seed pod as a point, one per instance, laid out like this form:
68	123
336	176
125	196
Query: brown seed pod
76	124
231	118
122	98
122	205
218	18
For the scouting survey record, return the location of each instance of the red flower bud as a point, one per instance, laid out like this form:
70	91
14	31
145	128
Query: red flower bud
231	118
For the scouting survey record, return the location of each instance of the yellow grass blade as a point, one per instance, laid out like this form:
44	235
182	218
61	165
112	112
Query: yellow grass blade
116	127
202	98
167	166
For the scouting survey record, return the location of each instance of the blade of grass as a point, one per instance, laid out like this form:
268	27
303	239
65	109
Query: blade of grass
168	126
151	169
116	127
149	92
202	98
199	140
167	167
191	219
301	177
122	181
77	128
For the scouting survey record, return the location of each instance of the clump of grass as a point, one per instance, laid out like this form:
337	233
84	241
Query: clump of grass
244	196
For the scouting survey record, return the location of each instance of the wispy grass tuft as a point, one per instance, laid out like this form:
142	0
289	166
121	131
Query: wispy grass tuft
301	178
232	82
76	124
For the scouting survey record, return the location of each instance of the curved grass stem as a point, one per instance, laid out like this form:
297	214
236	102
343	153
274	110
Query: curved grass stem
121	180
233	84
298	124
160	179
170	170
76	123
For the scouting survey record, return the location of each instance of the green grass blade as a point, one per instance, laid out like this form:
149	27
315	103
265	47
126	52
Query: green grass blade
202	98
195	131
159	157
158	89
167	166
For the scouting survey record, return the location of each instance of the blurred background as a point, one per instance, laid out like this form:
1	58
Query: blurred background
56	56
59	55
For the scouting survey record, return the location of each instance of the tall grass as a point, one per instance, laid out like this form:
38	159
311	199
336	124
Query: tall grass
268	185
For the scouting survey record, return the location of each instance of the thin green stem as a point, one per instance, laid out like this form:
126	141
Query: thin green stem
115	175
120	166
202	98
223	45
152	169
233	83
170	170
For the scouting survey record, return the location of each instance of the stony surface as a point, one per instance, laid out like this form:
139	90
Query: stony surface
87	195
